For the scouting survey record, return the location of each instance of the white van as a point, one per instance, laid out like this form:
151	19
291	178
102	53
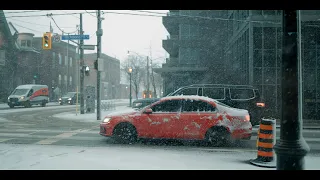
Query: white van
28	95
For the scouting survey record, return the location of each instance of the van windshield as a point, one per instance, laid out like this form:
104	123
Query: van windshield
20	91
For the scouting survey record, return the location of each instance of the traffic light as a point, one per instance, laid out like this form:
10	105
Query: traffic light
46	41
35	76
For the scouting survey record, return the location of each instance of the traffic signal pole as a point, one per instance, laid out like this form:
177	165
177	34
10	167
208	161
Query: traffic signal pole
81	70
99	34
291	148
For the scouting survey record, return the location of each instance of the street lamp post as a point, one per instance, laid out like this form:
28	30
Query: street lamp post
130	96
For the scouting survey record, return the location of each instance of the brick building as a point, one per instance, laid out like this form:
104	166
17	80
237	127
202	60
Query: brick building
110	77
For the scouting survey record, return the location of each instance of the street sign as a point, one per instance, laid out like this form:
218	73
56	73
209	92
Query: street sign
75	37
88	47
56	38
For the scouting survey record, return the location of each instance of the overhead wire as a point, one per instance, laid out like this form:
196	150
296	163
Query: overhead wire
62	29
26	27
33	23
153	14
71	14
90	14
14	12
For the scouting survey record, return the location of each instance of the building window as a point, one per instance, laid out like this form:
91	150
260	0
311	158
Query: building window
23	43
60	79
70	81
189	55
60	59
70	61
65	80
65	60
188	31
53	59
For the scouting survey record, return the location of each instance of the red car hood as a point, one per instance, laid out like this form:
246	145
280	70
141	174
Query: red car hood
123	113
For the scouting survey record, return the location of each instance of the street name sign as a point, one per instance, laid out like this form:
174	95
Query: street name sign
75	37
88	47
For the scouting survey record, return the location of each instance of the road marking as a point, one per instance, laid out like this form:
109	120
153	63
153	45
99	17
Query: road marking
59	137
4	139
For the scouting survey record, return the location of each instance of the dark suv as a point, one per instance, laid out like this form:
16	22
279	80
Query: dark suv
238	96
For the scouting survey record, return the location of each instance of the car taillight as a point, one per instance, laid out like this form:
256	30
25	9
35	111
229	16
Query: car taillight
247	118
260	104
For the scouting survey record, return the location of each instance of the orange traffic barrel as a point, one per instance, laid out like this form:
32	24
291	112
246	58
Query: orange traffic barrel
266	141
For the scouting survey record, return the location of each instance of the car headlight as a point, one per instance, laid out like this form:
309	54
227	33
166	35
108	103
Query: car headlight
105	120
22	97
59	99
69	99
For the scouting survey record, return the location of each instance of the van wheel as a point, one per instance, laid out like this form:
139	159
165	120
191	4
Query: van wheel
43	104
27	105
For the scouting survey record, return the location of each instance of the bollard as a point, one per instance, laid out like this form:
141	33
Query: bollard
266	141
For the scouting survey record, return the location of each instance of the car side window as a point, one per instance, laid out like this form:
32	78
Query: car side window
241	93
167	106
214	93
187	92
197	106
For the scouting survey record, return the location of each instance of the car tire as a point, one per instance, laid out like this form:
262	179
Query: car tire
43	104
11	106
125	133
218	136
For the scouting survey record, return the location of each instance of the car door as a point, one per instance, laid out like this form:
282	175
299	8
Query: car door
196	117
161	122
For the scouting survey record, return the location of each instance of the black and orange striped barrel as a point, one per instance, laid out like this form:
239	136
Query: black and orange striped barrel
266	140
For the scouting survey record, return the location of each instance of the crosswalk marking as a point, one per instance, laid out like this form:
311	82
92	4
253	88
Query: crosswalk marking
65	135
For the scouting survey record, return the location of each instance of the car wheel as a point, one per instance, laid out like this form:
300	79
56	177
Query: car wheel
125	133
218	136
11	106
43	104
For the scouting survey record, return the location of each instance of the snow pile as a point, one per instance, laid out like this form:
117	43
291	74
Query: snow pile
92	117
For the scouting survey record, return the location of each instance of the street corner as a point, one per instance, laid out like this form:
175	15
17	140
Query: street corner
73	116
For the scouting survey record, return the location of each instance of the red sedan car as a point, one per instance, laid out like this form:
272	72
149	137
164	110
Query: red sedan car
180	117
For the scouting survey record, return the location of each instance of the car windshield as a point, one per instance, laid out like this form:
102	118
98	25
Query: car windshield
20	91
69	94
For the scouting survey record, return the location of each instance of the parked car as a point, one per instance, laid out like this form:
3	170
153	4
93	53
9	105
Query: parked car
237	96
69	98
28	95
180	117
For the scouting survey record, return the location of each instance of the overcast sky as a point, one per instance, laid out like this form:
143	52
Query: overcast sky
121	32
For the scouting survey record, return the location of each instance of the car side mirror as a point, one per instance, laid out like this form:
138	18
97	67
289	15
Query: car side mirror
148	111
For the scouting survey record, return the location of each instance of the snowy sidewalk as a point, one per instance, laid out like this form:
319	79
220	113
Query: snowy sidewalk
92	117
128	157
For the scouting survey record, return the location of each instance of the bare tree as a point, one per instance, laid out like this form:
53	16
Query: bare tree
156	79
138	71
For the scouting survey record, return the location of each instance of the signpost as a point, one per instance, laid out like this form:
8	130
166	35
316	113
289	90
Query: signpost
75	37
88	47
56	38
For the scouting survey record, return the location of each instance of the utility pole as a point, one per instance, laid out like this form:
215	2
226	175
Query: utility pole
68	75
82	70
291	148
148	77
99	34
